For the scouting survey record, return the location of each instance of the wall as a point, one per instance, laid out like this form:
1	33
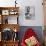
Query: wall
38	21
45	22
38	13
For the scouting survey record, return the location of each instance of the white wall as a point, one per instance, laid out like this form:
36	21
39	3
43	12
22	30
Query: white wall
38	21
38	13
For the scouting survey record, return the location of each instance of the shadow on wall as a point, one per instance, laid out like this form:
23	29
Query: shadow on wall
37	29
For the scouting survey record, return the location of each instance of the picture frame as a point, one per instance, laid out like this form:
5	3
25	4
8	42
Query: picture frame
5	12
29	12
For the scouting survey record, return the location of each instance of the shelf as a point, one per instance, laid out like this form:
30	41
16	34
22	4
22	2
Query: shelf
10	26
5	13
9	8
7	23
11	41
11	15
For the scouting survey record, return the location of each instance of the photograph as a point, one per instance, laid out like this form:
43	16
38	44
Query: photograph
30	12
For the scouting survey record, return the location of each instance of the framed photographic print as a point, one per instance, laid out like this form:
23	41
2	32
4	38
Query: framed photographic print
29	12
5	12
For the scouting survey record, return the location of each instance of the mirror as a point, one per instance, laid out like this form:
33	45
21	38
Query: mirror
10	19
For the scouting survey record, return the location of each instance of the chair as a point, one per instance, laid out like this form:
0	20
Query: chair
29	33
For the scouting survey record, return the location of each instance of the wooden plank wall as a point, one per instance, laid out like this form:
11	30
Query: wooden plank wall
44	7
